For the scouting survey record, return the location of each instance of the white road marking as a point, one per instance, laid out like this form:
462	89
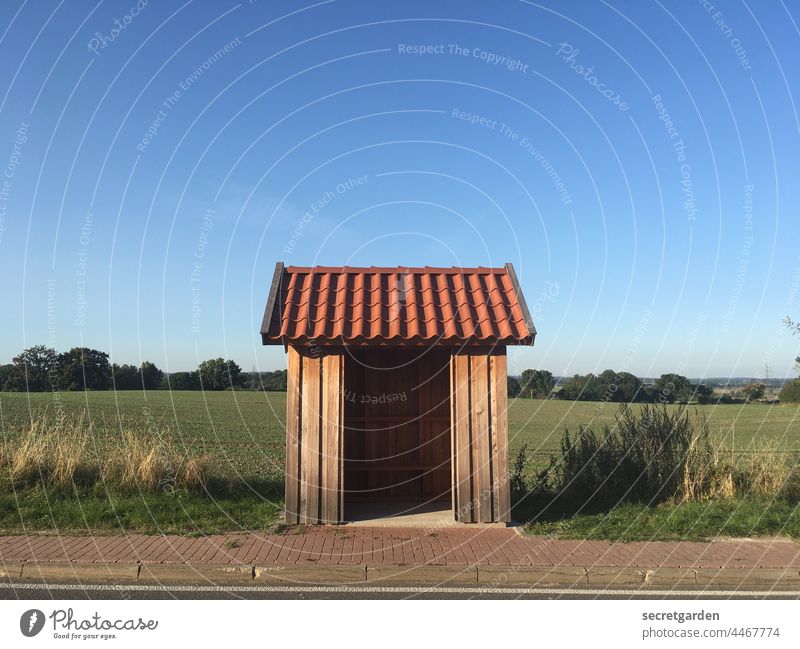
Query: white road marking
446	590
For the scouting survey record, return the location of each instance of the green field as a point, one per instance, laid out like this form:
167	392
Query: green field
242	436
244	431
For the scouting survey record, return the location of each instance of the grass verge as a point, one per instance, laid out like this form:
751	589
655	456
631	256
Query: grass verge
57	476
687	521
94	511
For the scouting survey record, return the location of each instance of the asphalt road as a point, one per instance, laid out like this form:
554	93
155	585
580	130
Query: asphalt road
31	590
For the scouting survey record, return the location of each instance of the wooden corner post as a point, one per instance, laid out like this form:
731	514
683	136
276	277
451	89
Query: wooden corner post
314	436
479	433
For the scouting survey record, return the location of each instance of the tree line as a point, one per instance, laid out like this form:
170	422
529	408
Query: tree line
621	387
43	369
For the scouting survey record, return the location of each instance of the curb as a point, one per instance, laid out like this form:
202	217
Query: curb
385	574
317	574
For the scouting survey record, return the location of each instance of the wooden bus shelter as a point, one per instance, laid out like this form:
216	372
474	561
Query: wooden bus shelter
396	387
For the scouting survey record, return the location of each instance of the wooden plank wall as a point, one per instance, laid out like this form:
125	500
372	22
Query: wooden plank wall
479	414
314	435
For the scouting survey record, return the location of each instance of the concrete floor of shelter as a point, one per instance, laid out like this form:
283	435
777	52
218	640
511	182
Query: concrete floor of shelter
397	514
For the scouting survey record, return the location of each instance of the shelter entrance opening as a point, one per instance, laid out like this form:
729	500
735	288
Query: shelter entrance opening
397	429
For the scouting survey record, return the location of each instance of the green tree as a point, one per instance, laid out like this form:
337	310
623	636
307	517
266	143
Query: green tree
82	368
536	384
183	381
629	387
267	381
218	374
6	373
622	387
125	377
276	381
150	376
671	388
581	387
790	392
754	391
35	370
703	393
513	386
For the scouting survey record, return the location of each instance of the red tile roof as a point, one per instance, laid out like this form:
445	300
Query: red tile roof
396	306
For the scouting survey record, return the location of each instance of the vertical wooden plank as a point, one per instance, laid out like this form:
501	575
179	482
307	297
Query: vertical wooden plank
453	446
331	431
481	455
340	495
462	443
293	383
499	403
424	453
310	441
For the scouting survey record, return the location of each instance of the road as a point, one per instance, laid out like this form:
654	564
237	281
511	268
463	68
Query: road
32	590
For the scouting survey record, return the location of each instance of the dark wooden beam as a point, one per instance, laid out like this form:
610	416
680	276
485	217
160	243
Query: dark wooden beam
271	301
522	304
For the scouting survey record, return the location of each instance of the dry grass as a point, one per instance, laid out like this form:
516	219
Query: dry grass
62	453
712	471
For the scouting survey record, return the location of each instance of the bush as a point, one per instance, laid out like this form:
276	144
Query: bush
790	392
652	455
643	458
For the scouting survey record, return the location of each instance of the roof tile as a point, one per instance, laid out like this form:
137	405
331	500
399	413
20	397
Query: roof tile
396	306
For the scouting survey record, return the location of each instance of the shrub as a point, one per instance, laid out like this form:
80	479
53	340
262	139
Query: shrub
517	480
642	458
658	454
790	392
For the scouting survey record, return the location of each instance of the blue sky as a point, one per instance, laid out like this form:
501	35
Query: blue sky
635	161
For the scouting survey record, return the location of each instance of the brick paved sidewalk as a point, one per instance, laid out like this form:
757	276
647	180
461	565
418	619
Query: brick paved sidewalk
395	546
